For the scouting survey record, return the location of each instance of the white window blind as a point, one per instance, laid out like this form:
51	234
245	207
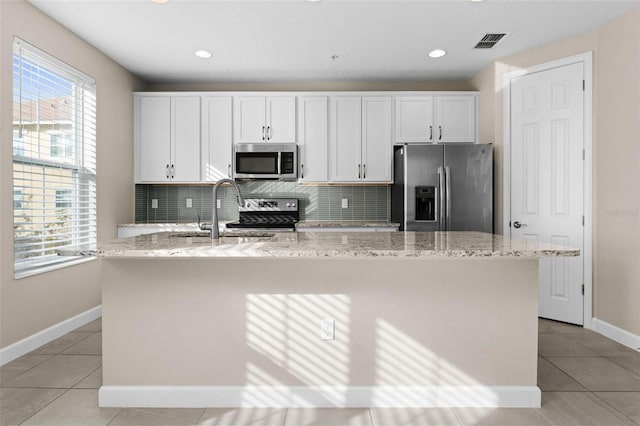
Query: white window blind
54	159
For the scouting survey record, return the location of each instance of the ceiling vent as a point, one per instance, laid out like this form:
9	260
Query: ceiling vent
490	40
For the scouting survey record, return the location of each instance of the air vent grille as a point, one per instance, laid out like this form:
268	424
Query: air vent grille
490	40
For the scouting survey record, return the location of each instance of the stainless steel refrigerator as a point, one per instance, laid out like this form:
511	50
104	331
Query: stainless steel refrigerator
443	187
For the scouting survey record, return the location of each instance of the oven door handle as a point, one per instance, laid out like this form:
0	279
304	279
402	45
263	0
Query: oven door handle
279	163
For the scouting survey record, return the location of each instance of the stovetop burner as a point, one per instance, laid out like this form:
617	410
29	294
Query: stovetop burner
268	213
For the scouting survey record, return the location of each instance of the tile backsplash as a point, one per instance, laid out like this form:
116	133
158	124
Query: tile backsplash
317	203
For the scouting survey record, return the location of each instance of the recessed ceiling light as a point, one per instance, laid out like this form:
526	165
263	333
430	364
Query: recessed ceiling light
203	54
437	53
334	57
475	1
313	1
160	1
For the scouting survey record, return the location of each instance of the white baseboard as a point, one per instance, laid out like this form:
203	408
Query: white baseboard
319	396
45	336
616	333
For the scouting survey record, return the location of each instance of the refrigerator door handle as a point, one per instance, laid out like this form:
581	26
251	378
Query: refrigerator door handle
447	174
440	210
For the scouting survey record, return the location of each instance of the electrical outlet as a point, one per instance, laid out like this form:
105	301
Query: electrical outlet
189	203
327	329
154	203
218	204
345	203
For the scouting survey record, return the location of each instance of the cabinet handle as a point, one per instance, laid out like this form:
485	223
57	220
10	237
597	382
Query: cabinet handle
263	135
364	171
166	171
430	133
440	137
229	170
173	170
302	171
359	174
268	133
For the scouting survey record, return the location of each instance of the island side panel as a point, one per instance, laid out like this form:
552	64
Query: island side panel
239	322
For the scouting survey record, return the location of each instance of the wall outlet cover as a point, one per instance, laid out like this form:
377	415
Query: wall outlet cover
345	203
218	204
154	203
189	203
327	329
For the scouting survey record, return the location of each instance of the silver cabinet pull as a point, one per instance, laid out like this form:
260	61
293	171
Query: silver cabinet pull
229	170
359	174
173	171
166	171
430	133
263	134
301	171
364	171
447	173
268	132
440	137
517	224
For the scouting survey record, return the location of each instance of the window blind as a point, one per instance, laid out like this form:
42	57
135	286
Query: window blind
54	159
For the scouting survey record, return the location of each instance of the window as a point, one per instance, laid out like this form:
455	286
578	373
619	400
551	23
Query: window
54	161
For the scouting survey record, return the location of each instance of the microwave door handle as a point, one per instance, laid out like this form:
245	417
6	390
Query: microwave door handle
279	163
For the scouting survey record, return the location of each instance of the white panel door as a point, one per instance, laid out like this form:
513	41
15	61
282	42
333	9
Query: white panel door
455	119
185	138
281	119
345	163
249	119
547	164
313	140
217	142
154	133
414	119
377	145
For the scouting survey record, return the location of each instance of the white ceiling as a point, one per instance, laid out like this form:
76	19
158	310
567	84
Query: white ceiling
293	40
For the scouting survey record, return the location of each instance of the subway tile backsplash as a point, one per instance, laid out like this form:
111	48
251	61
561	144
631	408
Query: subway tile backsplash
317	203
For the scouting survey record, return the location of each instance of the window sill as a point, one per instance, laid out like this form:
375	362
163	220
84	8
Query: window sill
48	268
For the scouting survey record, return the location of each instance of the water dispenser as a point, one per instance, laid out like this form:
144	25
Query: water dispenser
426	203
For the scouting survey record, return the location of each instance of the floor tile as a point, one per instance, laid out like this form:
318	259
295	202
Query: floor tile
564	328
95	325
579	409
630	363
628	403
544	328
598	374
17	405
92	345
75	407
92	381
243	416
328	417
157	417
414	417
501	416
602	345
551	378
60	371
13	369
555	345
61	343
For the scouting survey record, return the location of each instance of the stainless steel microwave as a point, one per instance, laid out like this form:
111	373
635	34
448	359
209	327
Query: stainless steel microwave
265	161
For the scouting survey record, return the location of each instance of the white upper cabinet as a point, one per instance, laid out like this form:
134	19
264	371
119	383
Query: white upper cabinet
436	119
217	137
167	138
360	139
265	119
312	139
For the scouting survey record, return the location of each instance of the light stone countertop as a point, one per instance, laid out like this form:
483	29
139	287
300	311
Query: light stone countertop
345	224
328	244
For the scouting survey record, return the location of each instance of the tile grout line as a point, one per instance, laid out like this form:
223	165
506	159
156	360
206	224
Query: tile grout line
46	405
612	407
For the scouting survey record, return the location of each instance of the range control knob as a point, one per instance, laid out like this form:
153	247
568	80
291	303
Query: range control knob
293	204
288	204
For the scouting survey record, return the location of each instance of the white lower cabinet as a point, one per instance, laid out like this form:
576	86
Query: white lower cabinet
360	146
217	138
312	139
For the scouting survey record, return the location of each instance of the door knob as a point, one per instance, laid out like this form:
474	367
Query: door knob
517	224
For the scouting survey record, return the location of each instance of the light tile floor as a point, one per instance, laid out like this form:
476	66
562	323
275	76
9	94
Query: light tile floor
586	379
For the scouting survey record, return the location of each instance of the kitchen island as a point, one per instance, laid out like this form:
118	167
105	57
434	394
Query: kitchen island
421	319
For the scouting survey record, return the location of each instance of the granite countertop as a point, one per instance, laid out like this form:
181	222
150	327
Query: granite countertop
327	244
346	224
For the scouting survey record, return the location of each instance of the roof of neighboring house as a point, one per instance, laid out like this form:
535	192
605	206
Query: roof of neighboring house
43	110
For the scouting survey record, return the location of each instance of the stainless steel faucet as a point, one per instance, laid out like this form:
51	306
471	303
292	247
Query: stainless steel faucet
215	232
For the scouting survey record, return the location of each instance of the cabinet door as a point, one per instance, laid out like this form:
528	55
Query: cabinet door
249	119
185	139
153	131
377	145
312	146
414	119
456	118
217	142
345	161
281	119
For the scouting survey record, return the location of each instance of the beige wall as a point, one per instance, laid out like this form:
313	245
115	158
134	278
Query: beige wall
616	152
32	304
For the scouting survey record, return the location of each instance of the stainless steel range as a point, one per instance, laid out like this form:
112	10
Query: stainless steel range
279	214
